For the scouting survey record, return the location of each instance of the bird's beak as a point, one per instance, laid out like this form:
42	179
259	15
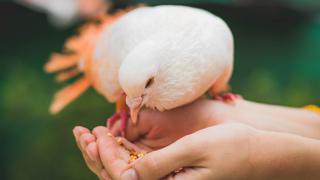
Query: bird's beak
135	105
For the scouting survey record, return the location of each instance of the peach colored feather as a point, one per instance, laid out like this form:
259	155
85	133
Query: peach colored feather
68	94
77	59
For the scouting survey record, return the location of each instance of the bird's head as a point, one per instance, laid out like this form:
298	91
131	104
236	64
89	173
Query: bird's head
138	79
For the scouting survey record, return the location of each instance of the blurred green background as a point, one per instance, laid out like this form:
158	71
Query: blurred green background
277	60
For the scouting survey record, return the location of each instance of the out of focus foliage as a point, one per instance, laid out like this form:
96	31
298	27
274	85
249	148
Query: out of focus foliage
277	60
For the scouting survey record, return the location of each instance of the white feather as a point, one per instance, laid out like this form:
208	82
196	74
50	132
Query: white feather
186	49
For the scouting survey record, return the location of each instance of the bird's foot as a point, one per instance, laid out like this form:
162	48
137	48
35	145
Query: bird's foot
228	97
123	117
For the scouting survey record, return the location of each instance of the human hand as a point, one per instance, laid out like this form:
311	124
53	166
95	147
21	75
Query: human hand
118	155
159	129
229	151
83	138
154	130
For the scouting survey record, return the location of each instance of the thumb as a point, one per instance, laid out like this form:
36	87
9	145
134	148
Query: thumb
161	163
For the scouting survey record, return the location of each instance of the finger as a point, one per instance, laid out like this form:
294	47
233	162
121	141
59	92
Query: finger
113	157
77	132
93	154
92	165
93	162
160	163
92	151
85	139
104	175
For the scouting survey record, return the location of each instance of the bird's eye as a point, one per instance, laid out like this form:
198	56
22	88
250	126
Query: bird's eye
149	82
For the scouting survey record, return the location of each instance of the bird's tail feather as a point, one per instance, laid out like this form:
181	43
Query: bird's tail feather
64	76
76	59
60	62
69	94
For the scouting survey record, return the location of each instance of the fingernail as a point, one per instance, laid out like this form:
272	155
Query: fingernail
129	174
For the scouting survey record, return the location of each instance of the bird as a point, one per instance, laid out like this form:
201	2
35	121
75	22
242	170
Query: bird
159	57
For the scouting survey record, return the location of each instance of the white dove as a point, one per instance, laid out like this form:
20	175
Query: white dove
159	57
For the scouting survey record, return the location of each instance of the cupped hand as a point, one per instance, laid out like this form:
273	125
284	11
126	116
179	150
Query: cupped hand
83	138
227	151
233	151
156	130
197	152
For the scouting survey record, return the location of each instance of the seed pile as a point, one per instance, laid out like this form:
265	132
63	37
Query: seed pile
134	156
132	153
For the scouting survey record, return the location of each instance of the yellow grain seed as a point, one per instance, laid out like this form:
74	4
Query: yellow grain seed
141	155
119	141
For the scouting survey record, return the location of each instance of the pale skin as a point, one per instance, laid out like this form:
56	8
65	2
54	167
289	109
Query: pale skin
267	142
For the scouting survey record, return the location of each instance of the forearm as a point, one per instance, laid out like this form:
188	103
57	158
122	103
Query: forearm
285	156
277	118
